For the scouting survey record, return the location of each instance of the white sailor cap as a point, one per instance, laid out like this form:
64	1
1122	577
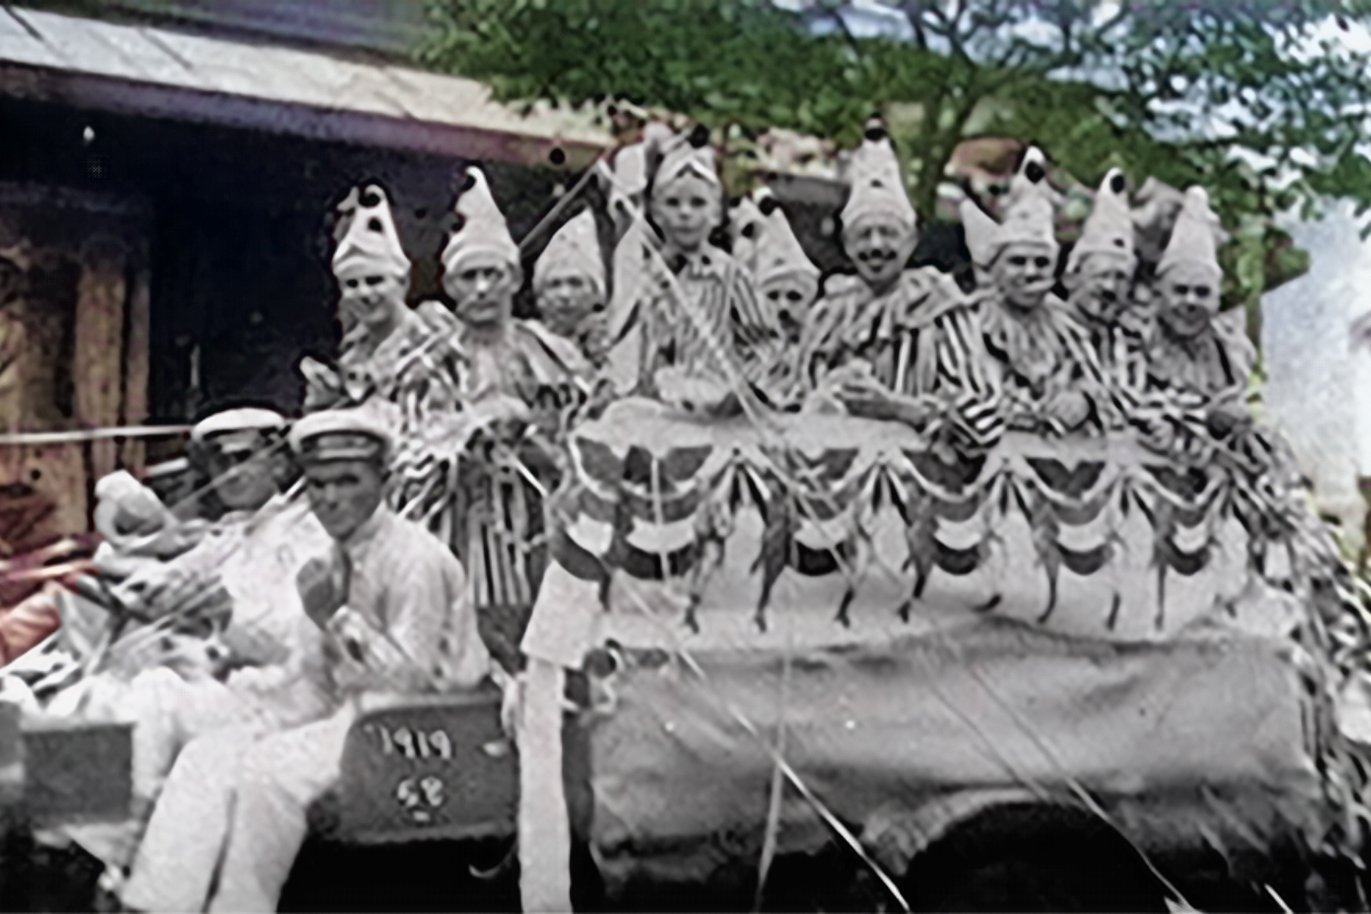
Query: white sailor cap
340	434
237	430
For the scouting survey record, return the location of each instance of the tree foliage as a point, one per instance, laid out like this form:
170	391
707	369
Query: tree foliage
1164	88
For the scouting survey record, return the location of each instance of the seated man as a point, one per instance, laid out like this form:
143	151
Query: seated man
386	612
218	621
1040	354
1099	279
891	342
383	338
569	282
1195	363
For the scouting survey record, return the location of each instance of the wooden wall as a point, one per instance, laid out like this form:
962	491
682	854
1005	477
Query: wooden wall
83	309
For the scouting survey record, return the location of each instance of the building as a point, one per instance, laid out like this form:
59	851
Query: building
166	174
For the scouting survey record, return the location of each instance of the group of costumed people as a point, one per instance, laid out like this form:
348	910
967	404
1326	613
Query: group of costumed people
242	645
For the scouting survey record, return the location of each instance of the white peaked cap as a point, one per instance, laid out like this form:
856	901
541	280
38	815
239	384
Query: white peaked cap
369	243
686	154
874	182
482	228
1109	227
778	251
574	249
1194	238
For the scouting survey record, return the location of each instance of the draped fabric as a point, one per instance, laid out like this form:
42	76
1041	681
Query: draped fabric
1116	608
1040	353
1175	385
921	339
479	493
700	313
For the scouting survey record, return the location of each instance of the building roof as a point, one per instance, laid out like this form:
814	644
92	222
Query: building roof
140	69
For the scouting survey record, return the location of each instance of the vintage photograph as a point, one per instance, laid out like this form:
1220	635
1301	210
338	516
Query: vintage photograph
685	455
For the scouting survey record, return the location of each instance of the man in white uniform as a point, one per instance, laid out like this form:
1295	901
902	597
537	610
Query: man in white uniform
387	612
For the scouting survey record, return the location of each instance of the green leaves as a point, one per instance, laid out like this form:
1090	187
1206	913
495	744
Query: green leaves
1174	88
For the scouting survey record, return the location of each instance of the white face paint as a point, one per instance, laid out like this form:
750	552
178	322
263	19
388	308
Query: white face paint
1189	298
879	246
1023	273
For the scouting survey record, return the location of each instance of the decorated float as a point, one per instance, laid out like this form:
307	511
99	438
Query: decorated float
917	579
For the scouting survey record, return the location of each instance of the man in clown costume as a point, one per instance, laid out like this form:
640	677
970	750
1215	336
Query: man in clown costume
892	342
1040	354
1195	363
569	285
1100	280
385	342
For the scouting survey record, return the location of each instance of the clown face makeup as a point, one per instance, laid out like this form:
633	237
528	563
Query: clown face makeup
879	246
1189	295
789	298
482	289
1023	273
686	209
566	300
1102	284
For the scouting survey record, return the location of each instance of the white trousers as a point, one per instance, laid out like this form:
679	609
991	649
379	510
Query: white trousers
167	712
240	796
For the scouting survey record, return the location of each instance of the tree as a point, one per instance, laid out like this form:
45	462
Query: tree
1164	88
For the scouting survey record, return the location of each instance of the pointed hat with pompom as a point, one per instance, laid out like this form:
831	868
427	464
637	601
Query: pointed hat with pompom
1109	227
778	251
745	225
1194	238
875	186
481	230
1029	216
369	243
686	154
574	249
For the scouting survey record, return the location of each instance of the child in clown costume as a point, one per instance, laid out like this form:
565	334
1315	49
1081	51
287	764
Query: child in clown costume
787	282
686	324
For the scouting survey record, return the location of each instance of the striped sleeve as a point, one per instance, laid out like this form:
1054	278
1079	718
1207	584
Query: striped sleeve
977	412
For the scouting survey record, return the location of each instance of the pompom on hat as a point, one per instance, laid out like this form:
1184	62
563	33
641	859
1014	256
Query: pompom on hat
482	230
1028	216
574	249
369	245
686	154
875	187
778	251
746	225
341	434
1194	238
1109	227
